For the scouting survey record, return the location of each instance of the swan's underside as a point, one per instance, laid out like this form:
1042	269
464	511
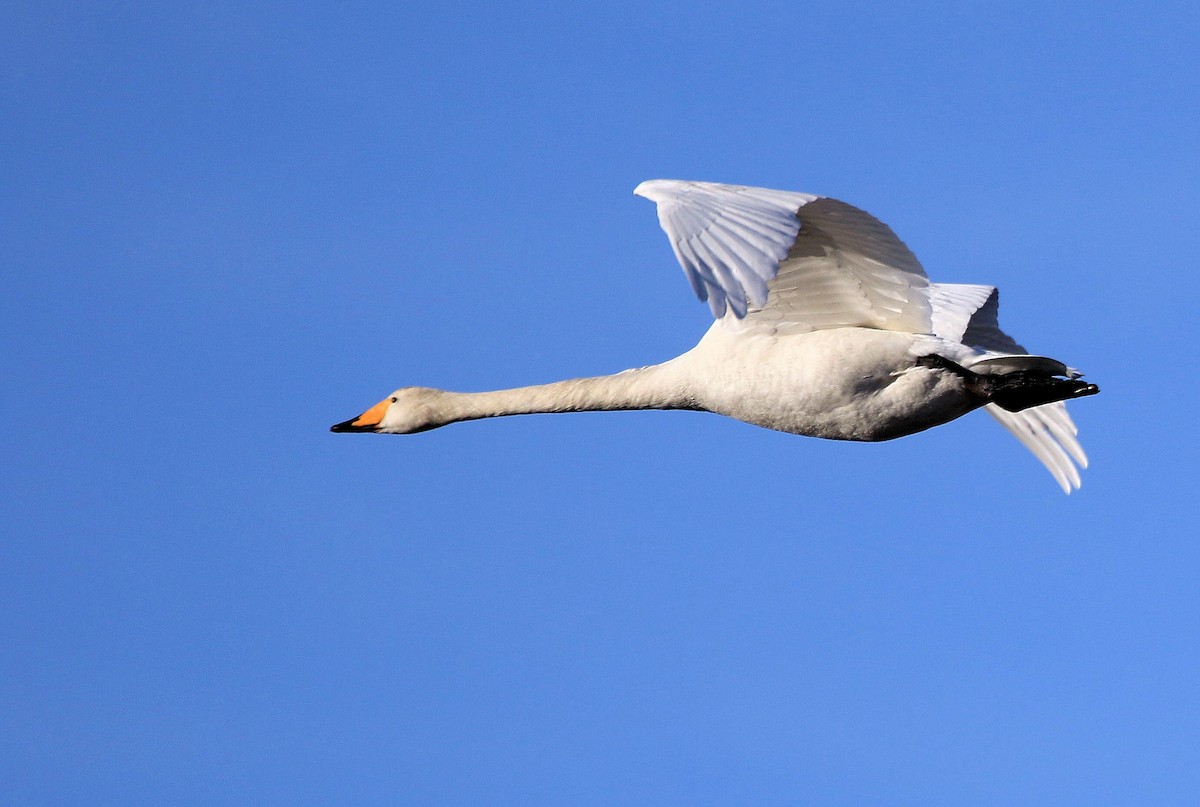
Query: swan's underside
859	384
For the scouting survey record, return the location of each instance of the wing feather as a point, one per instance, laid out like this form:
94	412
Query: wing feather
723	277
790	261
954	304
983	331
882	284
1049	434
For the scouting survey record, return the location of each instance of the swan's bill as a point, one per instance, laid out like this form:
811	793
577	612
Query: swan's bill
367	421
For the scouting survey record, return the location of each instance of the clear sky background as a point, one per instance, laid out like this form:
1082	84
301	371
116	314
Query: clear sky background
224	228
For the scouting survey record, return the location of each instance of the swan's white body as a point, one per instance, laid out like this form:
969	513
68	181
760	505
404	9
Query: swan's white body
826	326
839	384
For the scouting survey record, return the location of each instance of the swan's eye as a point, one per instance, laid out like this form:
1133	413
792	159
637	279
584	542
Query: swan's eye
393	399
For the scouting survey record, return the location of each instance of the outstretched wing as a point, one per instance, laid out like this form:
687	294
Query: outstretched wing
729	239
790	261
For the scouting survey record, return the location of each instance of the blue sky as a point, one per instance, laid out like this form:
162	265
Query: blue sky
225	228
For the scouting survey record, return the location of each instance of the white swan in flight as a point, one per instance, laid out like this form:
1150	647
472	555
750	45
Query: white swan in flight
826	325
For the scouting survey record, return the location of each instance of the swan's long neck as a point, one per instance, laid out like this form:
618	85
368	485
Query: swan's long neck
660	386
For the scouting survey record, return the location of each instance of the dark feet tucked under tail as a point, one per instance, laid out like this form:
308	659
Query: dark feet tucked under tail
1017	389
1021	390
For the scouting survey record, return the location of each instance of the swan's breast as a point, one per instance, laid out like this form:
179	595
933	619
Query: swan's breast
841	383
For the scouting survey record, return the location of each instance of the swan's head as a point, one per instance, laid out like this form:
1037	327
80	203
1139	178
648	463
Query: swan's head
405	411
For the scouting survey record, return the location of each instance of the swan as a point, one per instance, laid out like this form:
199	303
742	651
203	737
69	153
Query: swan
825	324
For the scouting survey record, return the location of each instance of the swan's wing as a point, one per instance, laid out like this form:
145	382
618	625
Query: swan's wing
983	330
846	269
1049	433
954	306
729	239
790	261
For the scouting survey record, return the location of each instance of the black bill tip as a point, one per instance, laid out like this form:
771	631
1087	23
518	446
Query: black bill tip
348	426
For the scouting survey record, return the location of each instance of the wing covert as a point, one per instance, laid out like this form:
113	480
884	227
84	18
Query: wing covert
846	269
